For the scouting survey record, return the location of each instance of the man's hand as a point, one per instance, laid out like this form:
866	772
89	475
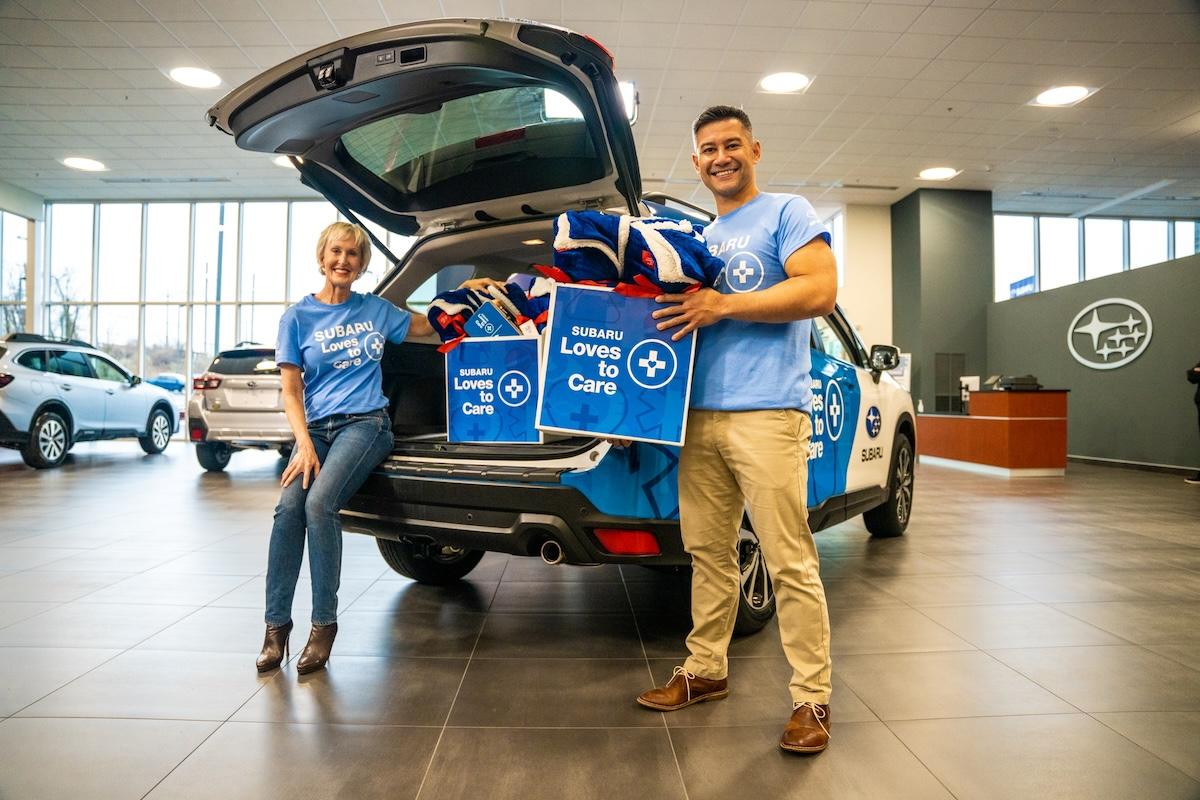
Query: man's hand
304	461
692	310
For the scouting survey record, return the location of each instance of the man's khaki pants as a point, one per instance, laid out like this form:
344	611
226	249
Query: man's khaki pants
757	460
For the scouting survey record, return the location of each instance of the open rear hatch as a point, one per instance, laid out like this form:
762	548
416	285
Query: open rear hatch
438	125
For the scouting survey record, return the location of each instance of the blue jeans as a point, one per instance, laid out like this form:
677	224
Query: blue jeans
348	446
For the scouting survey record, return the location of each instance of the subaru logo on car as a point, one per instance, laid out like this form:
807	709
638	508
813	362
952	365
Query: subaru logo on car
1109	333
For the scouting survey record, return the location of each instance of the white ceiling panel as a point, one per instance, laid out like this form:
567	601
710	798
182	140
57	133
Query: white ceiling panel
898	85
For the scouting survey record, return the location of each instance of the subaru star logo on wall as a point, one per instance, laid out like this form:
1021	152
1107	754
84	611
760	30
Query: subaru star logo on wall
1109	333
874	422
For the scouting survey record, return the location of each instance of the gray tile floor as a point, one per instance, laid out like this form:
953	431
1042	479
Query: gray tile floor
1029	638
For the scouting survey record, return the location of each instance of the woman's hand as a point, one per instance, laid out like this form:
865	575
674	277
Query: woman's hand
482	284
304	461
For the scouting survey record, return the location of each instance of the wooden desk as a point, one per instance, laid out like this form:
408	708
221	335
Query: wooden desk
1005	433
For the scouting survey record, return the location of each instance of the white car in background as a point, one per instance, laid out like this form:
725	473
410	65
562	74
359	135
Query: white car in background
57	392
237	404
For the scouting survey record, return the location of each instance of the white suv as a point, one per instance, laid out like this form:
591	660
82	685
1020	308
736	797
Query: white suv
472	135
55	392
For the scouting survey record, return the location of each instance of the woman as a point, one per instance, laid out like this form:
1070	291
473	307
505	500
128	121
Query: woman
329	351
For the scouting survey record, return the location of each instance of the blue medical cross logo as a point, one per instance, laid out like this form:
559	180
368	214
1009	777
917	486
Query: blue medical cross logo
584	417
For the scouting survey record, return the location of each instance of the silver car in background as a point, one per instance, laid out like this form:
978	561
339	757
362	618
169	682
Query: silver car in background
238	404
56	392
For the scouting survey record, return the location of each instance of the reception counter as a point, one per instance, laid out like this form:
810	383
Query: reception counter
1013	433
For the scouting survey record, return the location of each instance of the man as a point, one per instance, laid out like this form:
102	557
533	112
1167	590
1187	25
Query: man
749	427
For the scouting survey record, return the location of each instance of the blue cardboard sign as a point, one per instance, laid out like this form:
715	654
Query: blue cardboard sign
492	390
609	371
489	321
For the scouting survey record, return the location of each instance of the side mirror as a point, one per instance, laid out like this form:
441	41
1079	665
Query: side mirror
884	357
134	380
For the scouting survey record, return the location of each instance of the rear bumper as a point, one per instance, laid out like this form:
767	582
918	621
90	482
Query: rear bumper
239	427
10	436
498	516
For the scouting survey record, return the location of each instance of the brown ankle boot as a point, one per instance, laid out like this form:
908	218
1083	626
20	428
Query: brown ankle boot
316	652
275	647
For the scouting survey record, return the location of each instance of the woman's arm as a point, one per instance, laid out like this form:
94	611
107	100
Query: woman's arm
304	456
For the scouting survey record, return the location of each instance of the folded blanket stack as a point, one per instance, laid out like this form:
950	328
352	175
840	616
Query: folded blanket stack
668	254
449	311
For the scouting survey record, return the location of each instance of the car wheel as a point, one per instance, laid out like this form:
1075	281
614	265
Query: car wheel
213	456
756	600
285	451
158	433
428	563
48	442
891	518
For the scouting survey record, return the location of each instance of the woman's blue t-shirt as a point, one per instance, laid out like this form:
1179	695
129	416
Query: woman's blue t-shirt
338	349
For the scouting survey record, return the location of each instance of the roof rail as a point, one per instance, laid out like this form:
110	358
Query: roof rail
21	336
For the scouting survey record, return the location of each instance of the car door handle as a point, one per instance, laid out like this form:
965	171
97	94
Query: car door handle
66	387
108	391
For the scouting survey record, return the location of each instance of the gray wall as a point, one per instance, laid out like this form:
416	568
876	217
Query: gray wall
16	200
941	280
1141	412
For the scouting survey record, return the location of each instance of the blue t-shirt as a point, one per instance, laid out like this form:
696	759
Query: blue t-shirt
338	349
744	366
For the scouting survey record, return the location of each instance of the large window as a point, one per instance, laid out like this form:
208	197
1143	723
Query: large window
164	286
1034	252
1058	251
14	255
1014	257
1147	242
1104	244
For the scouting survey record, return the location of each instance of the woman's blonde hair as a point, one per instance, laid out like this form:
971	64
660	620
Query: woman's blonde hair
344	230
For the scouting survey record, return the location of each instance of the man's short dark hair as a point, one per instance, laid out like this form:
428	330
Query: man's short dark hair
718	113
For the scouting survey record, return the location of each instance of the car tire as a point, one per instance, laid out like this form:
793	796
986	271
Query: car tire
428	563
891	518
756	598
213	456
285	452
49	441
158	432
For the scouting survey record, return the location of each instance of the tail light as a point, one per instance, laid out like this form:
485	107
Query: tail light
205	382
197	430
5	379
628	542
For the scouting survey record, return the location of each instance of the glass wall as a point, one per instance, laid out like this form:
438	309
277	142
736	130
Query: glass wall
14	255
1035	252
164	286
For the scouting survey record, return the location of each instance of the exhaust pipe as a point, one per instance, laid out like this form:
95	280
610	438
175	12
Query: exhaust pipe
552	552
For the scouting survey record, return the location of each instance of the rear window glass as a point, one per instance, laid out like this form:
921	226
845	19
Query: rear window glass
249	362
457	151
33	359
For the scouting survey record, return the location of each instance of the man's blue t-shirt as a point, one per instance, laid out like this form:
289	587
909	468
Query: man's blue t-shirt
338	349
744	366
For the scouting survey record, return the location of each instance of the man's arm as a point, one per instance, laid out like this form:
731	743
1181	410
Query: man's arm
809	291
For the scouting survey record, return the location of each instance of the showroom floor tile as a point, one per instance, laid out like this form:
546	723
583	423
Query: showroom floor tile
1030	638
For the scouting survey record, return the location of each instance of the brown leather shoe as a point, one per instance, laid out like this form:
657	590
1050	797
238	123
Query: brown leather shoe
275	647
683	690
808	729
316	652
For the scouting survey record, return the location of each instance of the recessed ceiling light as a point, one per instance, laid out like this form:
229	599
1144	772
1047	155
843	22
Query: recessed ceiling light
85	164
282	161
533	241
938	173
1062	96
784	82
195	77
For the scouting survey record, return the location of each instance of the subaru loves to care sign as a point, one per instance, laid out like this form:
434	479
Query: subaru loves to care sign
492	390
610	372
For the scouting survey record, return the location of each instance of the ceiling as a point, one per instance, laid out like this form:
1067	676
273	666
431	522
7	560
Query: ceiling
897	86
